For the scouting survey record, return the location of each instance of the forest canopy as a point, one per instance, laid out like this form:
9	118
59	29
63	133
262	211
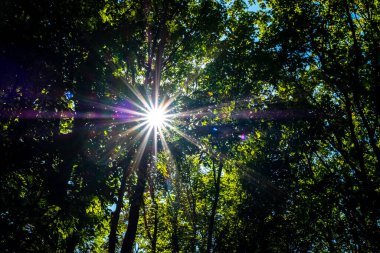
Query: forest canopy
190	126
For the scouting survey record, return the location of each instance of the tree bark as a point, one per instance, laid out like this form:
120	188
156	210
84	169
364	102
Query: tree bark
155	228
217	176
176	207
116	214
134	211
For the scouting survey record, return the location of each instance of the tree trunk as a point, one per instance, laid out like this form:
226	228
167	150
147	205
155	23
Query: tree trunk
176	206
116	214
134	211
211	223
155	228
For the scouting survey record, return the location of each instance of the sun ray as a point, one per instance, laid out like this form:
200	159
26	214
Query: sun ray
138	94
168	102
135	128
127	145
187	137
119	108
167	149
141	149
155	144
142	108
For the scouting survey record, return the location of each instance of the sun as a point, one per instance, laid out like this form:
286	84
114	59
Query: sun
156	117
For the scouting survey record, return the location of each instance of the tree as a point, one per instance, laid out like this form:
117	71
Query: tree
273	143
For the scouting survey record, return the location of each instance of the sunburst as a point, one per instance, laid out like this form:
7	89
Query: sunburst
156	117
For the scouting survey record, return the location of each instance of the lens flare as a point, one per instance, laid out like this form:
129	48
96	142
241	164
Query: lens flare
156	117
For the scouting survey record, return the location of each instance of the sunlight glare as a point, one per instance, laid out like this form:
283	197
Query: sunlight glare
156	117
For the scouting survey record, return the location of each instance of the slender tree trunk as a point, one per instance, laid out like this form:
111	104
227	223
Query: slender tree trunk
152	238
136	202
194	223
357	86
211	223
176	205
175	242
155	228
116	214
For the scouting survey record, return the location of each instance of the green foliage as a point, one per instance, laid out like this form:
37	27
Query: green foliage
281	106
